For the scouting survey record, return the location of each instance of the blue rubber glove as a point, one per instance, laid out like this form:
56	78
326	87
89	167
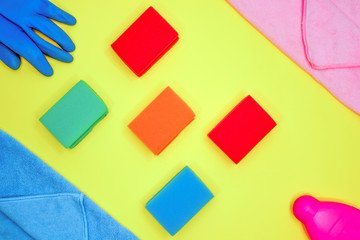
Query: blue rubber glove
18	18
18	43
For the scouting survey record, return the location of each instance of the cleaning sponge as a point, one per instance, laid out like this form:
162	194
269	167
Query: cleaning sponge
242	129
145	41
160	122
179	201
74	115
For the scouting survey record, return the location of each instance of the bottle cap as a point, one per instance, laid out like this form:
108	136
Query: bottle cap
305	208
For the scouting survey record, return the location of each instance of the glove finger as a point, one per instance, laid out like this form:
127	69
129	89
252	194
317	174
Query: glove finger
11	59
51	30
52	11
21	44
49	49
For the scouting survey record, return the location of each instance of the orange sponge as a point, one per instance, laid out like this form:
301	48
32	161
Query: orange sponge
160	122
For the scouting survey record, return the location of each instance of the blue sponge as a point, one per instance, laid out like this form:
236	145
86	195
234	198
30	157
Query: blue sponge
176	203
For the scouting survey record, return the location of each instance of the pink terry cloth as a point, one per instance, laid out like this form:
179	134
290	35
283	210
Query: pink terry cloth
321	36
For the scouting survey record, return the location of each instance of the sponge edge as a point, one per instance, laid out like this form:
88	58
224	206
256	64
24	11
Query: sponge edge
74	115
179	201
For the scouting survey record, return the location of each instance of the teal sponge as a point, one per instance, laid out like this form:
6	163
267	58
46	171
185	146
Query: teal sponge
74	115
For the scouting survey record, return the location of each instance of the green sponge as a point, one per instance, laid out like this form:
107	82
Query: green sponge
74	115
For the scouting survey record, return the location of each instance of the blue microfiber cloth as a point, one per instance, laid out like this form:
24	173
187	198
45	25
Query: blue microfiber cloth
38	203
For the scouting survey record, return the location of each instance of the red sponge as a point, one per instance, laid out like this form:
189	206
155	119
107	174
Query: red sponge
145	41
242	129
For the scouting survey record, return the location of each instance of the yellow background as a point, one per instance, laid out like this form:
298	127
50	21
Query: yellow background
219	59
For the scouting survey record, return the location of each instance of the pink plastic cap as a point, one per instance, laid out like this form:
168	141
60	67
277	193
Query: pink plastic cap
305	208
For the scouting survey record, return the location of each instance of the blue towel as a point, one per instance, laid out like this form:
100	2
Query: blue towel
38	203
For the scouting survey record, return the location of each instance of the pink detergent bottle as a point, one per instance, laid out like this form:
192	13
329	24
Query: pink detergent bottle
328	220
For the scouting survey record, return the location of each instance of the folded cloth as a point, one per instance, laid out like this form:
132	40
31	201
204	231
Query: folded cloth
38	203
321	36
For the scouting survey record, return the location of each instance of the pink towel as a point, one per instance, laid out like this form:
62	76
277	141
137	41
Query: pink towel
321	36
